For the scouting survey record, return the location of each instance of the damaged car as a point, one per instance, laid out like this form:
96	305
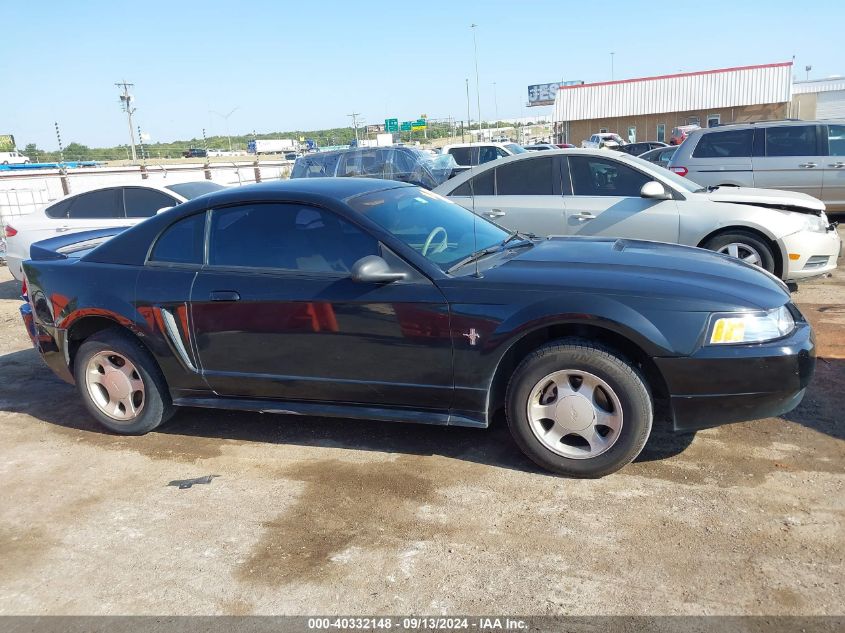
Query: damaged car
585	192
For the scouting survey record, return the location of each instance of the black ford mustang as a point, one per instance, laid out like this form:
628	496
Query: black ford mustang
374	299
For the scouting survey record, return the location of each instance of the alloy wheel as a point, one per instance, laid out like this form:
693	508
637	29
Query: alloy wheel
745	252
115	386
575	414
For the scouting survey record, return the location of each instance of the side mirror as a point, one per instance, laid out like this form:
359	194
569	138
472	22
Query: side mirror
373	269
655	191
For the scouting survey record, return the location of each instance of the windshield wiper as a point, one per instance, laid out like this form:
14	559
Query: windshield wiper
526	240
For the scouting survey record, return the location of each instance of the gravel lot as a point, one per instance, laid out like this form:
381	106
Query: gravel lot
317	516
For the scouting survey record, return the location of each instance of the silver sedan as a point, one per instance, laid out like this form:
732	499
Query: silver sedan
594	192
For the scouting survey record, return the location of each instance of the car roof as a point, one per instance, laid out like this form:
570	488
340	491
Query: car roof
744	125
333	187
477	144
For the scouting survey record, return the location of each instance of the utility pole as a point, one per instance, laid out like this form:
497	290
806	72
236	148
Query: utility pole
355	116
126	104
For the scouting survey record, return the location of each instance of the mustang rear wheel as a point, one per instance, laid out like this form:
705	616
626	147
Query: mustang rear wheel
120	383
578	409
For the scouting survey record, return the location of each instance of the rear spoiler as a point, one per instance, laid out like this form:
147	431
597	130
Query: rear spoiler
61	246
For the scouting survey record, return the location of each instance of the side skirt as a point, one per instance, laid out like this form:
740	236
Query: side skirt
319	409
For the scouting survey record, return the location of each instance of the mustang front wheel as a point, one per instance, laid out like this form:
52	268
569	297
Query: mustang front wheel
576	408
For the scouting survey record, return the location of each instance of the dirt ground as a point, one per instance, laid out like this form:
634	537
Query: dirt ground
305	516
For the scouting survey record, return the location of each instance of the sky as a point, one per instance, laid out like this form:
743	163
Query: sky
289	65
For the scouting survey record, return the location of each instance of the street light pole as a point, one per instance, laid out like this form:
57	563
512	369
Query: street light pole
496	106
226	118
612	53
477	93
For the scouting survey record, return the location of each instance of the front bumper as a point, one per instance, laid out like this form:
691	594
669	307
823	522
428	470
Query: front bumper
733	383
51	343
816	253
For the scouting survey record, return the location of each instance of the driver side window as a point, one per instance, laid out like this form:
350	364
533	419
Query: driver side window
286	237
603	177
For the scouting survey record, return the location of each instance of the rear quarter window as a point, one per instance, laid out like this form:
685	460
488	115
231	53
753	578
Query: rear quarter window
727	144
182	242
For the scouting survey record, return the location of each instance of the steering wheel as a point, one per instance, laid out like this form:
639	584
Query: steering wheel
441	246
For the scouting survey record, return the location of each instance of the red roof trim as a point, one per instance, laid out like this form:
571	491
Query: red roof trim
655	78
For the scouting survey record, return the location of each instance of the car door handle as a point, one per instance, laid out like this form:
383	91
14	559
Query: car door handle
225	295
807	165
62	229
495	213
837	165
584	215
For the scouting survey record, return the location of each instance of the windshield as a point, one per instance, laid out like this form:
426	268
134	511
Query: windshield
681	182
516	149
191	190
440	230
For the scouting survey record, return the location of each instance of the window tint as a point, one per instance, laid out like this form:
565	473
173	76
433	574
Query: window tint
836	140
462	155
190	190
728	144
526	177
143	203
97	204
603	177
482	185
793	140
288	237
487	153
60	209
182	242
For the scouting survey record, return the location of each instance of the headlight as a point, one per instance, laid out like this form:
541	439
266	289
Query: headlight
815	223
750	327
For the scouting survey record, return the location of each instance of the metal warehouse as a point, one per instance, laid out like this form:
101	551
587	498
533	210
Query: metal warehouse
819	99
647	108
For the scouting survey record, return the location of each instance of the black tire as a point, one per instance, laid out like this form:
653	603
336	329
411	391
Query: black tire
767	257
625	379
157	405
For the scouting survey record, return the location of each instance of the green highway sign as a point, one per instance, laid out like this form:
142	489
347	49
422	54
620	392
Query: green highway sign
407	125
391	125
419	124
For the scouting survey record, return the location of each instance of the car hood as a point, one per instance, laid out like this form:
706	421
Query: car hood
682	277
772	198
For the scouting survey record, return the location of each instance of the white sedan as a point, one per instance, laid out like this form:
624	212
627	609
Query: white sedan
593	192
103	208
